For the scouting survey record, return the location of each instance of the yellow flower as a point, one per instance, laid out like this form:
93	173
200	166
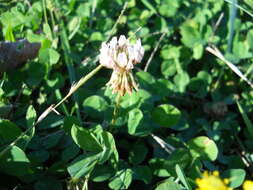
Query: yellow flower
212	181
248	185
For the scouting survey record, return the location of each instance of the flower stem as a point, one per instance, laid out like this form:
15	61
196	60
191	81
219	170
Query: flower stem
115	111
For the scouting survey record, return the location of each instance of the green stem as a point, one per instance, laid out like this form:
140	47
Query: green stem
115	111
45	11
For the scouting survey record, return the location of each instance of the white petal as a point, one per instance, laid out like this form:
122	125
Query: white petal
113	42
138	44
122	60
122	40
130	51
106	60
104	46
138	51
130	65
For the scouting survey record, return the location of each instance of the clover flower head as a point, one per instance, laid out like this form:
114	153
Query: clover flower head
121	56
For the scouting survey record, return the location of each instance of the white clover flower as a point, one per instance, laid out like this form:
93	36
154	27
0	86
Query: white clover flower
121	56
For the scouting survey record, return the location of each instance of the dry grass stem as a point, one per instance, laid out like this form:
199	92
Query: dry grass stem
154	51
214	50
167	147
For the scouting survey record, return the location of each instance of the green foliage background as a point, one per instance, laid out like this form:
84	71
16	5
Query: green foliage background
192	112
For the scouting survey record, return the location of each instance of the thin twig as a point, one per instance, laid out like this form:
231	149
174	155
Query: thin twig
154	51
79	84
154	33
117	21
218	22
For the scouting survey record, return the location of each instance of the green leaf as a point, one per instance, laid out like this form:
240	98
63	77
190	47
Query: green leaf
235	177
47	31
250	38
70	152
108	145
169	184
181	176
39	156
14	162
96	36
8	131
36	73
69	122
166	115
168	68
170	52
137	153
181	80
30	116
100	174
145	79
169	8
85	139
52	140
121	180
198	51
84	10
143	173
134	119
166	167
49	55
95	106
82	166
203	147
190	33
4	108
45	183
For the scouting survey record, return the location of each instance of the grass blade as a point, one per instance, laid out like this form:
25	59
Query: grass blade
232	17
240	7
246	119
